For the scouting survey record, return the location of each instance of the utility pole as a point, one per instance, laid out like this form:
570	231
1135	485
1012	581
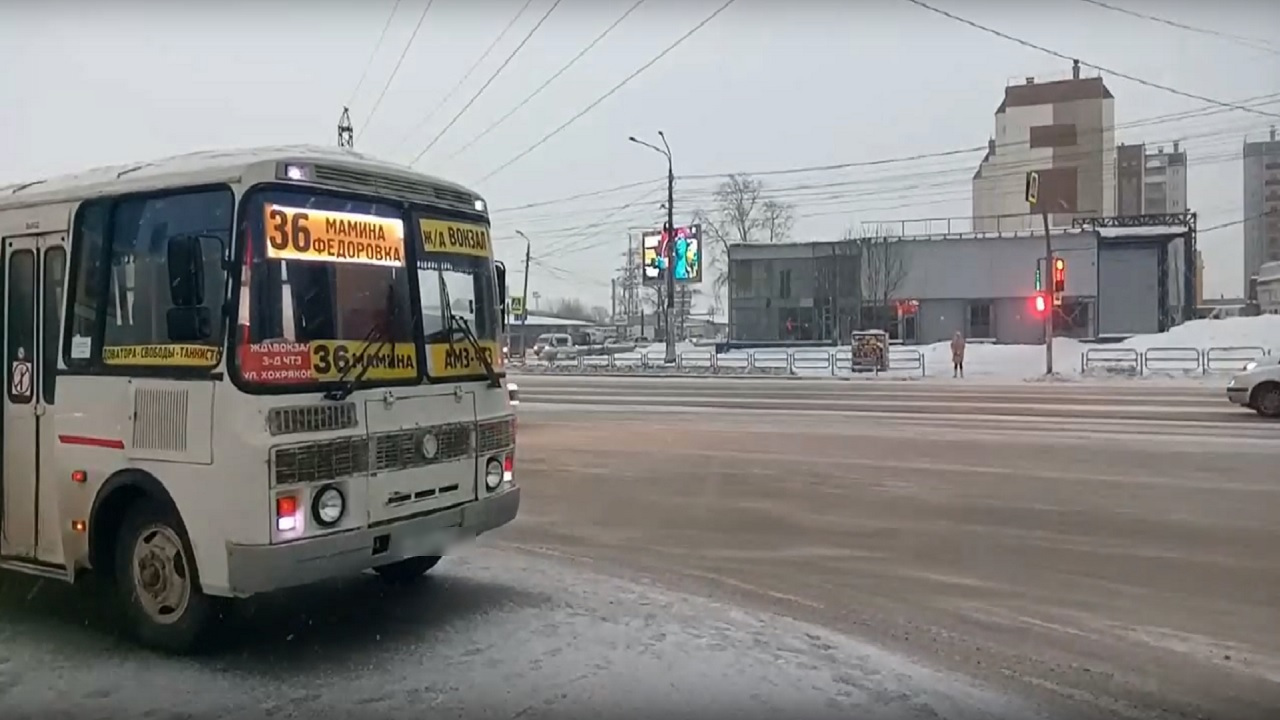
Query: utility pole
346	133
670	251
524	294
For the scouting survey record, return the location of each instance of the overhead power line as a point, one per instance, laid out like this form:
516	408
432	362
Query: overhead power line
394	71
465	76
1205	111
932	180
376	47
1233	223
549	80
488	82
1253	43
679	41
579	196
915	194
1055	53
586	230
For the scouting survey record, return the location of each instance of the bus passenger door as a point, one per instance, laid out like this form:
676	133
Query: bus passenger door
26	421
21	431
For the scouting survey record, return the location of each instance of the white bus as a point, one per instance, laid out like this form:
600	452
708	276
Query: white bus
233	372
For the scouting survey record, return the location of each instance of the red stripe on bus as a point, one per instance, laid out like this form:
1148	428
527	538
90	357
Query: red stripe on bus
91	441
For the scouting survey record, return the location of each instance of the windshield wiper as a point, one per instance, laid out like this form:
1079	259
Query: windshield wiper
465	327
453	322
379	333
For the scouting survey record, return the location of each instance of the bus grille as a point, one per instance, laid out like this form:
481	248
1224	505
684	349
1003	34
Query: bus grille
321	461
311	418
387	452
495	435
398	186
403	449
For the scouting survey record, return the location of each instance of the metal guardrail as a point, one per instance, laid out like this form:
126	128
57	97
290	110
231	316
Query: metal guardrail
778	361
1111	360
1231	359
1182	359
782	361
1187	360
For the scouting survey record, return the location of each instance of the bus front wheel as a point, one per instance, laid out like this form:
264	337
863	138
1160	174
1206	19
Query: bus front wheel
406	571
157	580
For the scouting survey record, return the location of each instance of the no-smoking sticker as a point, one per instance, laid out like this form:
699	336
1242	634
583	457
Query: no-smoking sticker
20	385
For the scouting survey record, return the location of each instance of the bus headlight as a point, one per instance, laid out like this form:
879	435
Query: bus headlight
328	506
493	474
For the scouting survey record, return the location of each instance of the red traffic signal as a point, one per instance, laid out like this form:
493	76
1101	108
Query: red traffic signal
1040	303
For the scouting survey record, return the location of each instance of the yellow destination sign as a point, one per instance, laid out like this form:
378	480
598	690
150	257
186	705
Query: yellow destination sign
325	236
331	358
460	359
173	355
444	236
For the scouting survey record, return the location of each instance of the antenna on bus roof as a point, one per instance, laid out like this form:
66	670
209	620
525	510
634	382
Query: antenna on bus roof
346	133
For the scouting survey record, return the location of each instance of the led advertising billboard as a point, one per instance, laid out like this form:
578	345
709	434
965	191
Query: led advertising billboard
688	255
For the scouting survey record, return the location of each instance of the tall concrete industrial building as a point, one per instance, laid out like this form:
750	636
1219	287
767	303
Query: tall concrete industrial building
1261	209
1064	129
1149	183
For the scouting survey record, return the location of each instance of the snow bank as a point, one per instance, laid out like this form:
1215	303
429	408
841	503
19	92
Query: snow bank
1262	331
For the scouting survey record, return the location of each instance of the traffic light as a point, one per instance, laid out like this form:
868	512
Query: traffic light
1059	276
1039	281
1040	303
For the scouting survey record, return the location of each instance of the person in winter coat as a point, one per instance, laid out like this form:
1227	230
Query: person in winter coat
957	355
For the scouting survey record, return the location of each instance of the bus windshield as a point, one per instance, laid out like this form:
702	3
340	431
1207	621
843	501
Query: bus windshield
324	291
458	289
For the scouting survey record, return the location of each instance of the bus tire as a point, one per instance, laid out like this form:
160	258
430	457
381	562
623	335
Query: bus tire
403	572
156	576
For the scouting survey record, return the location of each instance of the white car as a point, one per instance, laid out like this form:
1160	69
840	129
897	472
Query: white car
1258	387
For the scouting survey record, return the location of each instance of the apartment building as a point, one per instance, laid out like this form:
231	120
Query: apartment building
1261	209
1148	182
1065	130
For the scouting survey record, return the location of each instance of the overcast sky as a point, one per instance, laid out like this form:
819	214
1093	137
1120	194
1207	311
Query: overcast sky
766	85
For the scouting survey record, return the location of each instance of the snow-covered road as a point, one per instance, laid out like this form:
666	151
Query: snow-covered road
495	634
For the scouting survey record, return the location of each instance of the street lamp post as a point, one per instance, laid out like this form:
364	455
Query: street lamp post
524	295
669	234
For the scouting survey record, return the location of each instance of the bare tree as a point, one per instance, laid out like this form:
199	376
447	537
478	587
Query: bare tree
884	268
776	221
741	215
571	309
599	314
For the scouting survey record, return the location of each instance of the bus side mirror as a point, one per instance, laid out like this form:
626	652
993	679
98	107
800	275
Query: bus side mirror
500	269
185	263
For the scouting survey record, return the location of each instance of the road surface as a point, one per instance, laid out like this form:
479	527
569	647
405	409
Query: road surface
495	634
872	558
1106	551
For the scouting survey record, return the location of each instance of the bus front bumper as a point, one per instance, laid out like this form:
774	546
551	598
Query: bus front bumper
262	568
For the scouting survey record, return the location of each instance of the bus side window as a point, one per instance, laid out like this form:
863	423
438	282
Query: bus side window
55	272
80	342
139	282
21	325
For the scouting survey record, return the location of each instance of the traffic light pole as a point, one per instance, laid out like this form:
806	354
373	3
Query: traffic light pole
1048	311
